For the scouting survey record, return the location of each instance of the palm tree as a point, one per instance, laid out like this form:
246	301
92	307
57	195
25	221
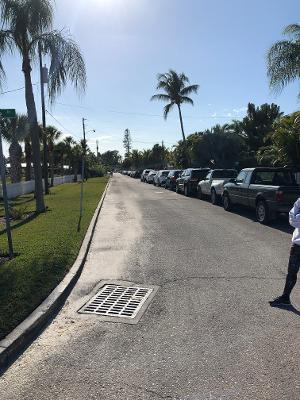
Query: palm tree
28	158
52	135
26	26
69	142
284	59
76	157
14	131
176	93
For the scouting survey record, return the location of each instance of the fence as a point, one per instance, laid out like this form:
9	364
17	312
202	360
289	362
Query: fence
17	189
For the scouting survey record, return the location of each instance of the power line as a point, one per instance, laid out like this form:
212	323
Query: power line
16	90
59	123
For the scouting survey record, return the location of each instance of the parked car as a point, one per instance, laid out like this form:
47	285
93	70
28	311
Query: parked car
144	174
187	182
160	177
213	184
171	179
137	174
150	176
267	190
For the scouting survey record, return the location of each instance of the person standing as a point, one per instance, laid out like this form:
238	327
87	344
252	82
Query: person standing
294	261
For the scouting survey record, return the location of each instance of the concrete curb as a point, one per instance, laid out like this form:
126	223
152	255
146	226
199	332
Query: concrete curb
16	341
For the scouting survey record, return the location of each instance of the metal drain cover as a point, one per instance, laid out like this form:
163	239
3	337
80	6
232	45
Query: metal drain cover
117	301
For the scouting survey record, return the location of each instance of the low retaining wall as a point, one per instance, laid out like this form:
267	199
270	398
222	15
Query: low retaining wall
17	189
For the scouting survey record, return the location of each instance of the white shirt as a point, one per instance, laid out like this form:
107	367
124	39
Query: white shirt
294	219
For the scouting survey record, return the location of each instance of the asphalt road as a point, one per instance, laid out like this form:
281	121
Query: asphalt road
209	332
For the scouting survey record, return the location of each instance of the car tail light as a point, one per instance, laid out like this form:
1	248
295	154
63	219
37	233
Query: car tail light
279	195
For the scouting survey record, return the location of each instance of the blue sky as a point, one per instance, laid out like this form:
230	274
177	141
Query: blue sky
220	45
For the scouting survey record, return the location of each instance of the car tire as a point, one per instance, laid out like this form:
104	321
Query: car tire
214	197
227	205
262	212
186	191
199	193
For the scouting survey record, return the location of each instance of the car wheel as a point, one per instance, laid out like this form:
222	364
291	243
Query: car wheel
262	212
226	202
199	193
186	191
214	198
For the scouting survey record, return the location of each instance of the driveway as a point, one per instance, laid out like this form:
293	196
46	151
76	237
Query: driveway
209	332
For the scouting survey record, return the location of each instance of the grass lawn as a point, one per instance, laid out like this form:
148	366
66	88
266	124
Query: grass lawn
46	248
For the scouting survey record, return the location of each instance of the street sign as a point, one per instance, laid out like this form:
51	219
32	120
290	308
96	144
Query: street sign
8	113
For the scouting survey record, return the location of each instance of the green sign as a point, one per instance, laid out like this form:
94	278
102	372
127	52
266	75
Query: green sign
8	113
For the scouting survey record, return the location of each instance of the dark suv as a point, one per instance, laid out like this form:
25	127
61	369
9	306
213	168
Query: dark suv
171	179
188	180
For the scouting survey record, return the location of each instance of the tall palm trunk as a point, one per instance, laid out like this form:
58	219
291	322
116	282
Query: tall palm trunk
34	132
15	155
186	160
181	123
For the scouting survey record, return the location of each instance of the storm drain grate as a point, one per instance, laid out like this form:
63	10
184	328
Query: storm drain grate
117	301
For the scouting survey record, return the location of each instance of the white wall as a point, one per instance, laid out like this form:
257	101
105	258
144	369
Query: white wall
17	189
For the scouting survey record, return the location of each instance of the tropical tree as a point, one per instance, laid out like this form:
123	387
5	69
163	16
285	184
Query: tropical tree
27	27
14	131
52	135
69	143
28	158
283	60
176	93
284	147
76	158
257	125
127	141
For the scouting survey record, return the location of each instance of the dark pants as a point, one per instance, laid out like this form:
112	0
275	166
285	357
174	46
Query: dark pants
293	268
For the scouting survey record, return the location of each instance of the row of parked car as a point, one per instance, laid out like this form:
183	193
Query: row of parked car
269	191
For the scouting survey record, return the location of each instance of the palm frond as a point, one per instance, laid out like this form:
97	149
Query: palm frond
39	14
6	45
189	89
161	96
185	99
167	109
66	62
283	63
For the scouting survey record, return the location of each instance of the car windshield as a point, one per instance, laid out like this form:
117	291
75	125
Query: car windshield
199	173
226	173
275	178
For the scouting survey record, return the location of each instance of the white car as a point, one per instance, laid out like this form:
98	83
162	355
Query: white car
161	177
213	184
150	176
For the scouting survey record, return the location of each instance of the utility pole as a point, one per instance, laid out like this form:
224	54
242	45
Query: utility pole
82	168
5	201
43	80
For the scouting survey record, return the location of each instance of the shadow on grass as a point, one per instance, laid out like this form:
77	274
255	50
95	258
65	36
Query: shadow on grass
30	218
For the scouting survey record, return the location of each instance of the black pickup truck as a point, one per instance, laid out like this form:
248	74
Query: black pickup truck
269	191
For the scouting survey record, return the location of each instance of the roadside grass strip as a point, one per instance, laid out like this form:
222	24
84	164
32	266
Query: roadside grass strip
46	246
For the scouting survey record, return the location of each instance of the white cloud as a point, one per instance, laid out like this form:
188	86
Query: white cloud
239	110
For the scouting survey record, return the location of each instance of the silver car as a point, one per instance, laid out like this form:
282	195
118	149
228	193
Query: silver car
161	177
